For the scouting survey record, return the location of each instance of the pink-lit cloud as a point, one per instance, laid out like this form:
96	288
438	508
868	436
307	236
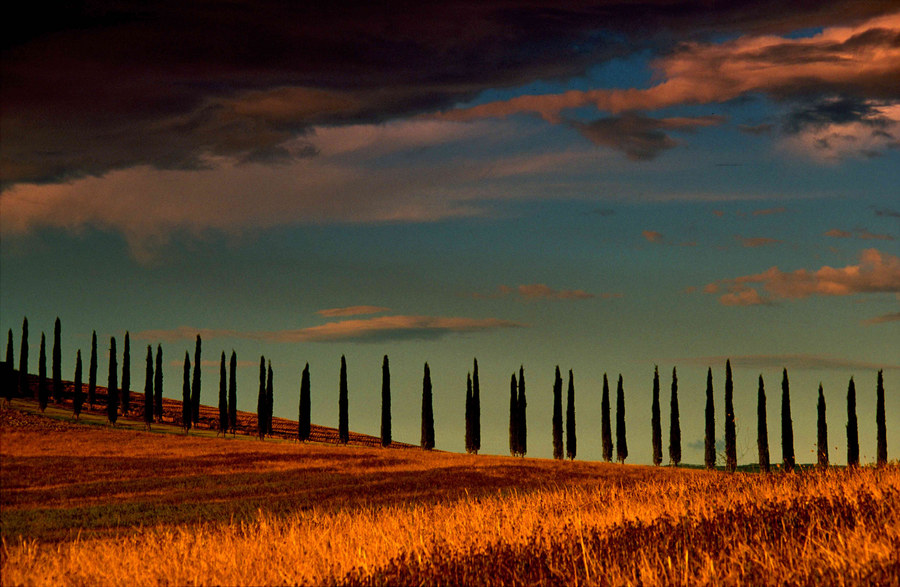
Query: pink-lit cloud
352	311
861	60
652	236
770	211
384	328
884	318
876	272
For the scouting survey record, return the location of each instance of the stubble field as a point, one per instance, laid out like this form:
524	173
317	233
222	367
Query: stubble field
86	504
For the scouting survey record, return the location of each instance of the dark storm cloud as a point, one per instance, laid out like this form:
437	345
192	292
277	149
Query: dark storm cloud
94	86
641	138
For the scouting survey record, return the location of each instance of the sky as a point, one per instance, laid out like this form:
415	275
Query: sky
602	186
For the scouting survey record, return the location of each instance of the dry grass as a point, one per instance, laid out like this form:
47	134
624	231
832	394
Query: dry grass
285	513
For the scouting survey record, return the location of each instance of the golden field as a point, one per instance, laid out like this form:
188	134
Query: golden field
91	505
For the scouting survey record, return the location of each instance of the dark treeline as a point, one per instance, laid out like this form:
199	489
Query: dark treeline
16	382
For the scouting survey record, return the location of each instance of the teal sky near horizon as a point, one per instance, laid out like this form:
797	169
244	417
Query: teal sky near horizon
594	192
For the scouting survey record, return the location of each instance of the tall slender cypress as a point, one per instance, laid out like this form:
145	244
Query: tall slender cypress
270	400
195	385
427	440
821	431
522	421
158	385
557	416
23	361
730	431
9	383
476	409
655	424
787	424
92	372
232	393
513	416
304	427
186	411
261	400
57	363
43	388
571	440
621	440
852	427
605	422
709	438
469	430
881	435
223	396
148	388
112	385
674	423
386	436
78	395
762	427
125	394
343	401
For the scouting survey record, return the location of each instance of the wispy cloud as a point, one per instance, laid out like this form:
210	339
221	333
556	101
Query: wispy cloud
352	311
884	318
541	291
788	361
860	233
753	242
639	137
381	329
876	272
770	211
652	236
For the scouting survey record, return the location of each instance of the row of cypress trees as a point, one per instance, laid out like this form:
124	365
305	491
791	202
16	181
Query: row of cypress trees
119	397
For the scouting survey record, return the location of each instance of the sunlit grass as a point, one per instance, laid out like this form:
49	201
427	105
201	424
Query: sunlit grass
265	513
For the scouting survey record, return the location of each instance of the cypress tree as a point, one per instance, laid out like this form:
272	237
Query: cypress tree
112	385
186	411
23	361
270	400
621	442
605	423
8	380
232	393
343	401
881	437
427	440
762	428
386	436
57	363
476	410
709	439
852	428
92	372
674	423
158	385
655	424
787	424
43	390
522	421
513	417
304	422
821	431
261	400
730	432
223	396
469	443
557	416
148	388
126	376
195	385
571	441
78	396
